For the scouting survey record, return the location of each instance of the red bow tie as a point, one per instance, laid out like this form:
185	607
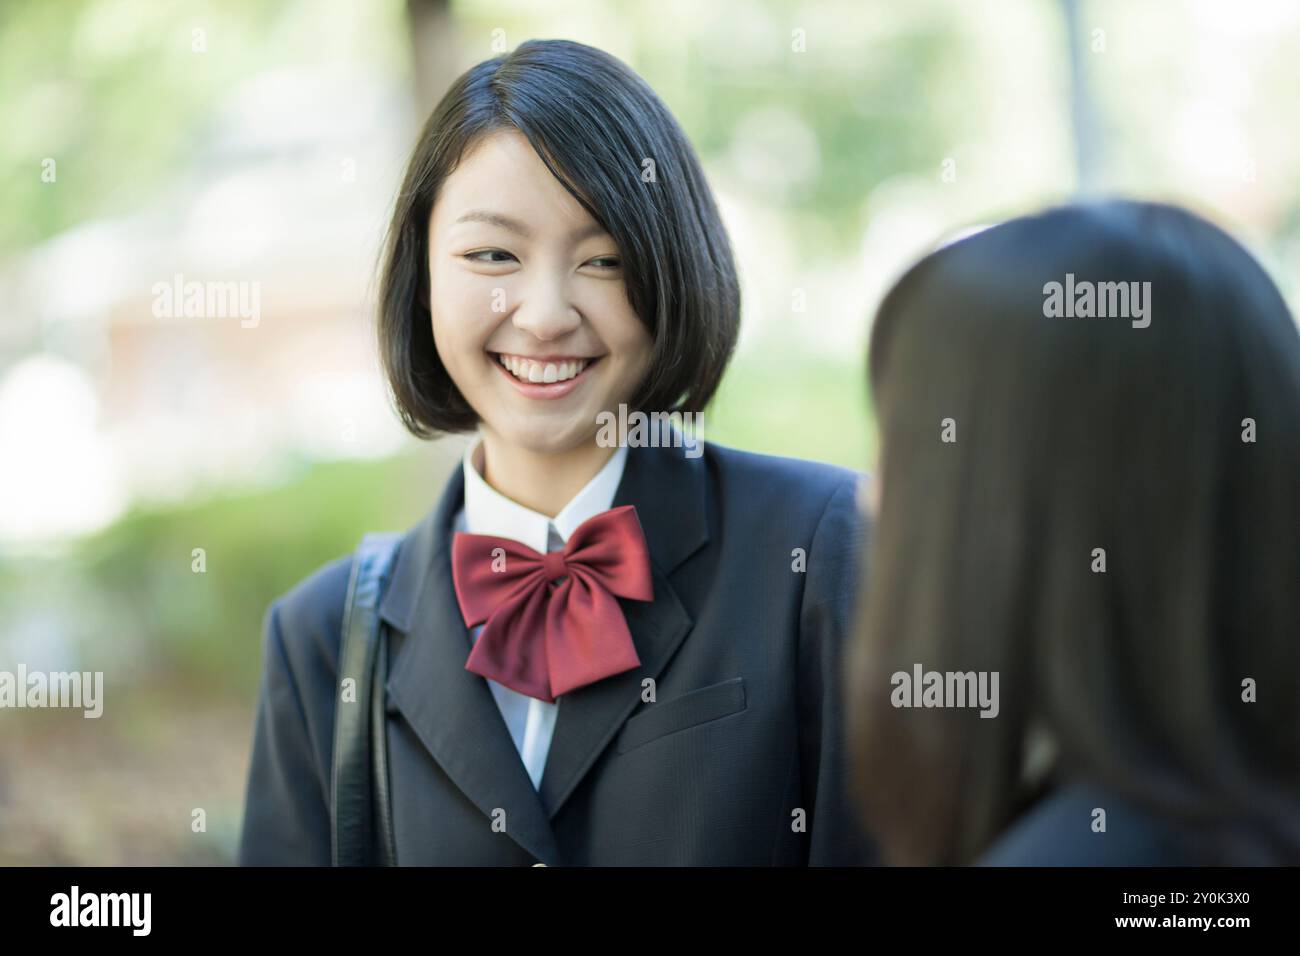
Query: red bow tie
553	621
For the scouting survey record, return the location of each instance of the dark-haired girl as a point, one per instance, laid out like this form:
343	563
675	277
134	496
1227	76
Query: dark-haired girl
601	653
1099	504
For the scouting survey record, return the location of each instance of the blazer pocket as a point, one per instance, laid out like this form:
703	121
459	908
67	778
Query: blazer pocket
693	708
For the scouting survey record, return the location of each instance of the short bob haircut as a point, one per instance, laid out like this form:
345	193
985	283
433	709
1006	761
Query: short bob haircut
594	123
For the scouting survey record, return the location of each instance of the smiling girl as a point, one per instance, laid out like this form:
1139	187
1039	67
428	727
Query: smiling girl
597	655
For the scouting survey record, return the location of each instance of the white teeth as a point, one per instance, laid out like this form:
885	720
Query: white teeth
541	372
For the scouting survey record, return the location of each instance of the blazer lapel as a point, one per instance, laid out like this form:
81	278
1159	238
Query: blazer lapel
450	708
668	491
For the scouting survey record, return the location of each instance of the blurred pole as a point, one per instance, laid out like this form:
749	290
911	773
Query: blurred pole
433	51
1089	147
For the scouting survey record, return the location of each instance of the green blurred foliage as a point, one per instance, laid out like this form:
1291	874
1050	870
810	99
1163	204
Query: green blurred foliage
115	93
140	595
777	403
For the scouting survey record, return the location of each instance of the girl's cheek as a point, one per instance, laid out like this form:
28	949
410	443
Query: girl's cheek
470	306
617	322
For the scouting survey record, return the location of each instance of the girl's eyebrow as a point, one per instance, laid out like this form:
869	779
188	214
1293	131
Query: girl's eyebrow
515	226
496	219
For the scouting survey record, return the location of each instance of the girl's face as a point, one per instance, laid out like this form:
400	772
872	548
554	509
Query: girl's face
530	311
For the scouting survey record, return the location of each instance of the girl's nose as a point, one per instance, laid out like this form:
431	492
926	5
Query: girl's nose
546	312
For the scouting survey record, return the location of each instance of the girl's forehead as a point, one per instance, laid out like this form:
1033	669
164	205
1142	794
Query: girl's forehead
501	181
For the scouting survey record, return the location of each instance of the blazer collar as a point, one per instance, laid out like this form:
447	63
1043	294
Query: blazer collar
452	709
487	511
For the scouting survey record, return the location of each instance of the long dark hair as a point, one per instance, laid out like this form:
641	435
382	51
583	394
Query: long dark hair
596	125
1074	434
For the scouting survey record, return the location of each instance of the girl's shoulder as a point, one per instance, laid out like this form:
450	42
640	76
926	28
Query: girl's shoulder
1063	829
315	605
788	486
306	619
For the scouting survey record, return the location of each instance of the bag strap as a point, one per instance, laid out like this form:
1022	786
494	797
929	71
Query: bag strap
361	832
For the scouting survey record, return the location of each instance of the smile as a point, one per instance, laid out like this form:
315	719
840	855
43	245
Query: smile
543	371
547	376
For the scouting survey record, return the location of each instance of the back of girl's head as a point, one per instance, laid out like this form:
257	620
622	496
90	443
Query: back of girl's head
613	144
1103	510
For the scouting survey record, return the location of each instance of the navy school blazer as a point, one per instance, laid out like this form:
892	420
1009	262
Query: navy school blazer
1058	831
739	760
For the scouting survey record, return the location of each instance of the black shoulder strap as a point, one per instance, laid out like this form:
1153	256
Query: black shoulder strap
361	832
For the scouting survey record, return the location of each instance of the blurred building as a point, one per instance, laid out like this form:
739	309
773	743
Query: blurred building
127	398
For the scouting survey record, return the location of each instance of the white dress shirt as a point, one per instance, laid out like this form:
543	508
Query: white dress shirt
530	721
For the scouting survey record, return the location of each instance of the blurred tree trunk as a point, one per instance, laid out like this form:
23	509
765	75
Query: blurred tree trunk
1089	140
433	51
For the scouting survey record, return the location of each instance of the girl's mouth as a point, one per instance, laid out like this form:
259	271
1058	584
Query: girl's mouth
544	376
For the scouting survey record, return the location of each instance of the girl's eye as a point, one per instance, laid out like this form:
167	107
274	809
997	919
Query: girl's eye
482	253
605	262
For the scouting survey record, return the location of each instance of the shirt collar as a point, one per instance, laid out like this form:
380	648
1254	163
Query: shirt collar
487	511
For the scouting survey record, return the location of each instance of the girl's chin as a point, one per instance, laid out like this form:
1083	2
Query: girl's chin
544	434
